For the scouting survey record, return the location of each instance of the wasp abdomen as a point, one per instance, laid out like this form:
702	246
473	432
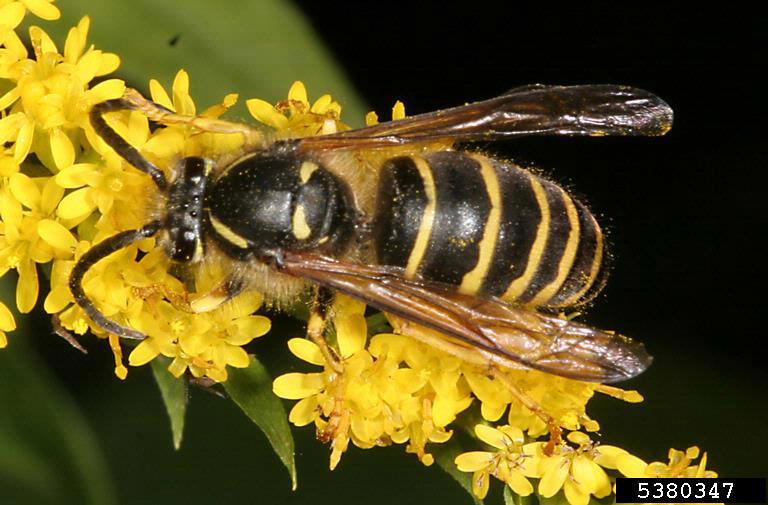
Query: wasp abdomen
486	227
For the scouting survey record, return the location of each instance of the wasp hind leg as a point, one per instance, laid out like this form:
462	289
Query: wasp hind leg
162	115
318	322
555	431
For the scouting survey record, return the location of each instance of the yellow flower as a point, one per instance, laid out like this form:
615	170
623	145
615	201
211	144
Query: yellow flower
98	186
295	117
564	400
513	462
175	140
680	465
7	323
203	343
31	234
574	470
386	394
48	105
11	12
398	112
60	301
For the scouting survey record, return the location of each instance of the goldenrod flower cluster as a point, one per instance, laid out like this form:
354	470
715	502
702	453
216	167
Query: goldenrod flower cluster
62	189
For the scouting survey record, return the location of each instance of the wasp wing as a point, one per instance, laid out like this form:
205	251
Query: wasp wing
510	335
591	110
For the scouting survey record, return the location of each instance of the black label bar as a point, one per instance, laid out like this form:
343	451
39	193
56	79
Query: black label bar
719	490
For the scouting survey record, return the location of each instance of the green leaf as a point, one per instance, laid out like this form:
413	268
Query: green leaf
510	498
256	49
175	396
251	390
378	323
48	454
445	454
557	499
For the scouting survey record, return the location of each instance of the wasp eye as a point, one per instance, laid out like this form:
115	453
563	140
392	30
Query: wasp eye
183	244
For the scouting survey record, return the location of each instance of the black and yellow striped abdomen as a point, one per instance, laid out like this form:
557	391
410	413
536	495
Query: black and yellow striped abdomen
486	227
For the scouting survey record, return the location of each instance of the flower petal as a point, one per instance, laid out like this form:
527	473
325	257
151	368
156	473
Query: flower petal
351	332
491	436
7	323
321	104
12	14
62	149
27	288
298	92
76	176
304	412
480	484
584	471
55	234
554	476
398	111
236	356
58	298
574	494
607	455
371	119
306	350
519	484
25	190
108	63
106	90
76	204
76	39
264	112
50	196
143	353
630	466
473	461
159	95
295	386
249	327
43	9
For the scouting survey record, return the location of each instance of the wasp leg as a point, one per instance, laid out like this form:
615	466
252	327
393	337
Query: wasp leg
160	114
555	432
119	144
205	384
227	289
93	256
67	335
316	324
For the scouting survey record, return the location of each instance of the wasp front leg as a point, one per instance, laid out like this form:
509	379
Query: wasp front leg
223	292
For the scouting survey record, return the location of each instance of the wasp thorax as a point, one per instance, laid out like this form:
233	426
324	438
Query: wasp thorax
276	200
185	211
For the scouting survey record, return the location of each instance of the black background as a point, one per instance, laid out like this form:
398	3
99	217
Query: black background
684	212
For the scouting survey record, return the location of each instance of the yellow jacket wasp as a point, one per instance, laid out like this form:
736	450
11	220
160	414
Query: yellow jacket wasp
472	247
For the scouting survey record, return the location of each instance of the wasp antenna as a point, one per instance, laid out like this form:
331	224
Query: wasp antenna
119	144
93	256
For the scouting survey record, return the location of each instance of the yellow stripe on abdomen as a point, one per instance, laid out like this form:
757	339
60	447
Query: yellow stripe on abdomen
594	270
473	280
427	218
518	286
568	257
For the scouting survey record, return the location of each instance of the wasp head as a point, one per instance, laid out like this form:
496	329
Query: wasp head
184	211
